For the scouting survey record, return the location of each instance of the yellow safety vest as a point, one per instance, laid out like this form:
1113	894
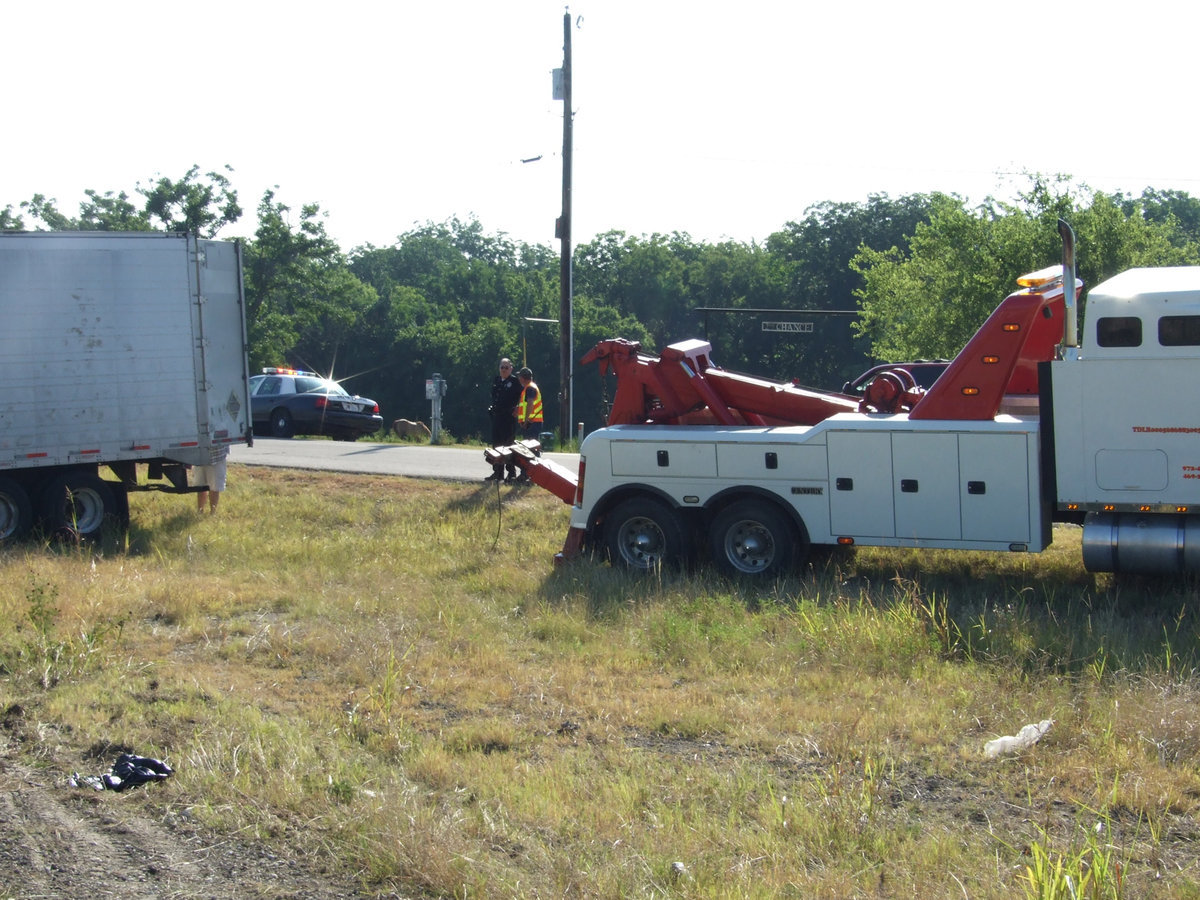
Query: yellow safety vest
531	412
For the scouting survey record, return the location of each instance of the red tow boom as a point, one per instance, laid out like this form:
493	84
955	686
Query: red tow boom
683	387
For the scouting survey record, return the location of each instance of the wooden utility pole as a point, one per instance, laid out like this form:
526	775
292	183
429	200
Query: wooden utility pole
566	326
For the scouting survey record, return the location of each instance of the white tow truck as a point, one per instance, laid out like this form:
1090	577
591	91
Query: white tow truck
117	349
1026	427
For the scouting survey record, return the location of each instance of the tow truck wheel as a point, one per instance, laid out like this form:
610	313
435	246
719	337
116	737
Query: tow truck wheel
644	534
77	504
16	512
751	538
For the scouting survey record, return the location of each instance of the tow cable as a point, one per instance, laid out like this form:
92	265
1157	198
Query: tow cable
499	515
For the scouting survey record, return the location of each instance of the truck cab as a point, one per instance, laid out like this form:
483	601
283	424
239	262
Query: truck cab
1126	426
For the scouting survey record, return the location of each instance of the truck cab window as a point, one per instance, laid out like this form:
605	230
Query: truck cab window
1119	331
1179	331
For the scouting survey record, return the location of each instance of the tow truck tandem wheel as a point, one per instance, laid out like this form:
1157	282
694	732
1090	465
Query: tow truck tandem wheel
644	534
16	512
751	538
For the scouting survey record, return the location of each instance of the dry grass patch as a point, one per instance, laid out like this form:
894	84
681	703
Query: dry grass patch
392	675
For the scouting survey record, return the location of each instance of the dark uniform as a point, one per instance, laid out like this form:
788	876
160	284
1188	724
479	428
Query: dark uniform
506	394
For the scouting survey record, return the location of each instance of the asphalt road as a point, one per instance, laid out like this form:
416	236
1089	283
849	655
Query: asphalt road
413	460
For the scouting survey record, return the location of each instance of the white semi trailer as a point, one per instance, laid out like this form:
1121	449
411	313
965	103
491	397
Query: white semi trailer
117	350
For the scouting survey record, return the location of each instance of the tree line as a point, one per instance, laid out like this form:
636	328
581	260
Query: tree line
886	279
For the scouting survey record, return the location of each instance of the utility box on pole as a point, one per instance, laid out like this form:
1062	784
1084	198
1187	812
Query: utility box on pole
435	390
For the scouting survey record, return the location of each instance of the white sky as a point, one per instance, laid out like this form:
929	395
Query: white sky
722	120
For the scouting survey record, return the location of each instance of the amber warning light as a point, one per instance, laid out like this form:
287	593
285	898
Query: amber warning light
1043	278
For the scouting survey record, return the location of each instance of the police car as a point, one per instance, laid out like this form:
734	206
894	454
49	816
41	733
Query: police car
286	402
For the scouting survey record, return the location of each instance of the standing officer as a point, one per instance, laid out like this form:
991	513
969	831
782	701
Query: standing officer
506	394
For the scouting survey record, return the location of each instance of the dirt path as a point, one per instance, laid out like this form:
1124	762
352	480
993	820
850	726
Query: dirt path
59	841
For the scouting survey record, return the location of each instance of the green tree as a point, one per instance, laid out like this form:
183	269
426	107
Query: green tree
202	204
44	209
1161	207
962	263
452	300
111	212
10	221
404	339
723	281
641	277
303	304
930	301
814	256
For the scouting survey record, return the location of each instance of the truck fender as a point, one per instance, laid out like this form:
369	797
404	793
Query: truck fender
719	501
619	495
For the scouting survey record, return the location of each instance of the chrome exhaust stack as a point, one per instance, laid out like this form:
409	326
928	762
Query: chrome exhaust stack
1071	312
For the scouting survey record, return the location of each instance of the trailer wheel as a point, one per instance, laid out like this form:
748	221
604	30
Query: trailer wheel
752	538
281	424
76	505
644	534
16	512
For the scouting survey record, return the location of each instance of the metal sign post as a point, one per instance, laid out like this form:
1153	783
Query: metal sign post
435	390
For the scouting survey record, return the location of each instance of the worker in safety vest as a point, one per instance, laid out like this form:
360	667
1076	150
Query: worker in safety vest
529	409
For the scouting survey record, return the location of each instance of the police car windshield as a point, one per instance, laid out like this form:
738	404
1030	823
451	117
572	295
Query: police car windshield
306	385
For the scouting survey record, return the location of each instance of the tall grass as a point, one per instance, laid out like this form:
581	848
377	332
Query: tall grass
391	674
